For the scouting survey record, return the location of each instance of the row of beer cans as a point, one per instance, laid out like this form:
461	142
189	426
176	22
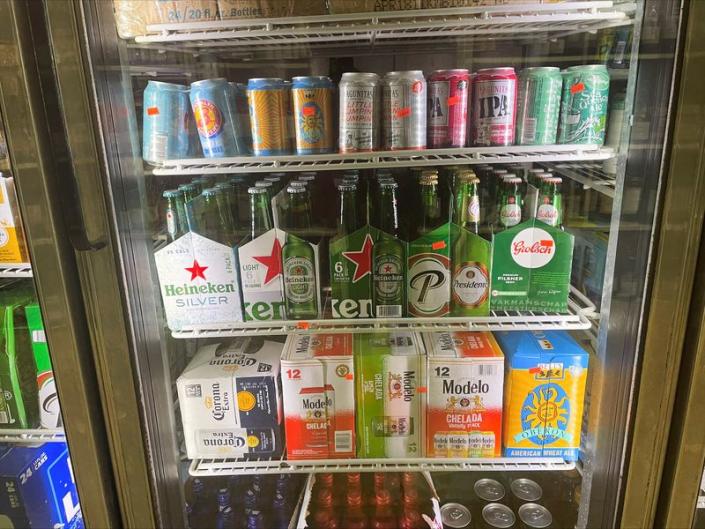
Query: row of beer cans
386	395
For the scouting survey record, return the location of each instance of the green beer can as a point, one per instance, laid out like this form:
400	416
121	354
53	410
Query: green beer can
539	104
584	105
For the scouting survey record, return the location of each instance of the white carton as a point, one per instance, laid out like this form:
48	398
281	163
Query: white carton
261	276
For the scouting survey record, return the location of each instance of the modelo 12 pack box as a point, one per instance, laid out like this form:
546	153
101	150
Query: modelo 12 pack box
545	375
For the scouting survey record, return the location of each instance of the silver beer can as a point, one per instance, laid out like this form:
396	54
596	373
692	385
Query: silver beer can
535	516
455	516
404	110
498	516
526	489
359	112
489	489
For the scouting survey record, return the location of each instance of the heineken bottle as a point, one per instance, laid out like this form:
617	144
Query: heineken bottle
298	259
260	212
189	191
348	219
550	208
430	203
215	218
467	202
175	213
388	257
241	198
511	200
277	182
266	185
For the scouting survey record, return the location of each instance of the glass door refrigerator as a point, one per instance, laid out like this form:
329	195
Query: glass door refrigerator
353	263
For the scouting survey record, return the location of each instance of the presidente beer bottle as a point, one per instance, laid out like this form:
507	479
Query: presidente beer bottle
430	203
260	212
175	213
467	201
510	212
388	257
298	259
550	208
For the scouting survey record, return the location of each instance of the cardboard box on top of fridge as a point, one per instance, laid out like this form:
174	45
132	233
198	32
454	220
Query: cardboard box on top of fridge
438	4
234	9
13	249
365	6
133	16
230	400
465	388
319	396
37	488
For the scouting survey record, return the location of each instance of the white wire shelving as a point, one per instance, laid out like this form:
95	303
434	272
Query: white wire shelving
590	175
579	317
33	436
16	270
529	19
379	159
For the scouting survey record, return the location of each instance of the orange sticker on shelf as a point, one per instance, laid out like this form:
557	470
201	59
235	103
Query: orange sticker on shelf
153	111
403	112
303	325
422	389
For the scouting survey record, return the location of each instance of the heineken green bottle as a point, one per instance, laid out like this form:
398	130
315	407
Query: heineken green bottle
388	257
277	182
348	220
510	210
550	208
467	202
189	191
430	207
260	212
175	213
215	219
266	185
298	259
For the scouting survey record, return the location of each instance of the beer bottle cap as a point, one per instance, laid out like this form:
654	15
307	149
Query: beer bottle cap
261	183
308	175
211	192
295	190
256	190
298	183
345	186
391	184
429	173
171	193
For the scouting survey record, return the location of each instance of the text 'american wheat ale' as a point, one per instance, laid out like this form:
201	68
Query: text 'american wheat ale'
299	260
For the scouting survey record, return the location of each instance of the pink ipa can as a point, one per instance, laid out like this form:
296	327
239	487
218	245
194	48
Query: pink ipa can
494	106
448	108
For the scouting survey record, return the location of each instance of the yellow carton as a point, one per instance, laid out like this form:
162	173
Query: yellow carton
12	244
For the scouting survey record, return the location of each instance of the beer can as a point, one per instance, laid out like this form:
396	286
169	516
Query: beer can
404	110
214	113
526	489
359	112
313	114
448	108
494	107
584	105
455	516
243	130
268	98
167	122
489	489
535	516
538	106
498	516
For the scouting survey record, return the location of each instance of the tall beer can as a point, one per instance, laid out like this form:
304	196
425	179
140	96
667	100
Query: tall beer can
313	114
448	108
404	110
538	107
166	121
216	118
584	105
494	107
242	111
268	99
359	112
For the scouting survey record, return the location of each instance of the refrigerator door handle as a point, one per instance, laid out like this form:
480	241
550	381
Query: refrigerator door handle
75	219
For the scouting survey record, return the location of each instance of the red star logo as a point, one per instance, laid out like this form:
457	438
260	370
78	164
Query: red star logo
387	268
362	259
273	262
197	270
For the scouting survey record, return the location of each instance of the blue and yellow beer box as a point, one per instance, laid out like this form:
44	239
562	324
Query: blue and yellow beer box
544	389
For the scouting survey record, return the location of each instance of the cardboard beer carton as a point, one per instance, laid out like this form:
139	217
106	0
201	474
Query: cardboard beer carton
390	378
49	411
465	385
429	273
13	249
319	396
230	400
37	488
351	274
531	267
261	274
546	374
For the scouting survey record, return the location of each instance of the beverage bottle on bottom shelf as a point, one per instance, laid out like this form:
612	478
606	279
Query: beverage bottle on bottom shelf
354	516
225	519
383	516
411	520
256	520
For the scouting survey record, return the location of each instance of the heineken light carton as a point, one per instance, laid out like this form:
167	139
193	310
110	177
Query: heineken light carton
429	273
465	387
390	378
230	400
49	411
319	396
546	373
351	274
531	267
261	276
199	282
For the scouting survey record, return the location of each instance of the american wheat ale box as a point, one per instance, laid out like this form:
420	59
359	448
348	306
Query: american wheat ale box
319	396
261	276
230	400
465	388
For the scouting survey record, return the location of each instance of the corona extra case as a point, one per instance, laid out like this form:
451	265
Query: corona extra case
543	399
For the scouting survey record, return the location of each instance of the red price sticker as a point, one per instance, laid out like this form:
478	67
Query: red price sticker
308	111
438	245
403	112
577	88
546	243
152	111
303	325
453	100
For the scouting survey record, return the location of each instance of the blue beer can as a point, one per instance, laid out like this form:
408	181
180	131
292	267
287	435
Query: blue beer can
242	111
213	105
166	122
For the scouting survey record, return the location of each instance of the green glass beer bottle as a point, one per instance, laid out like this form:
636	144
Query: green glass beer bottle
266	185
348	219
175	214
215	219
241	199
510	211
388	257
298	259
430	203
189	191
467	203
260	212
550	208
277	182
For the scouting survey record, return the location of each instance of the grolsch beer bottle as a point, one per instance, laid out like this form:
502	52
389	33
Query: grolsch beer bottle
430	203
298	259
510	210
550	208
388	257
175	213
260	212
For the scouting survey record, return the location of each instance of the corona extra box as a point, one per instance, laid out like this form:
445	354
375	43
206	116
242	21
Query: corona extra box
319	396
230	400
465	384
390	373
531	265
543	396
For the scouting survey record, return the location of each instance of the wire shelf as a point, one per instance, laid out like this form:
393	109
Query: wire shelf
379	159
581	311
34	436
590	175
16	270
226	467
396	27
